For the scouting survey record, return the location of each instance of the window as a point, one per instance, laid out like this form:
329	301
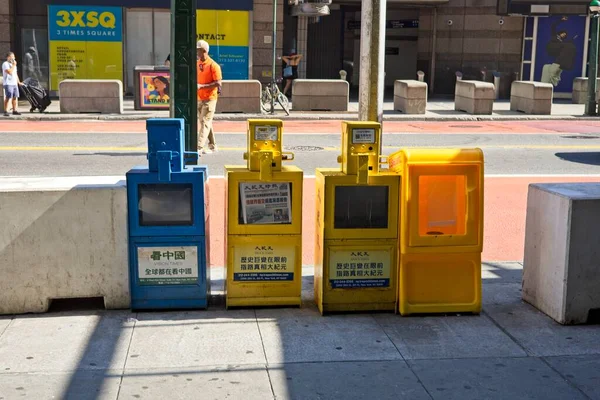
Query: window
358	207
35	55
166	204
442	205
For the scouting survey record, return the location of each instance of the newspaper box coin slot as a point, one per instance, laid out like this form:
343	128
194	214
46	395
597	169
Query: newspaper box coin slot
263	223
167	224
357	226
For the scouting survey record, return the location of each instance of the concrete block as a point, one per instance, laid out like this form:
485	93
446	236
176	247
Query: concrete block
62	238
531	97
335	338
387	380
493	379
236	332
561	266
99	340
410	96
248	382
474	97
580	90
91	96
536	333
320	94
241	96
582	371
82	384
451	334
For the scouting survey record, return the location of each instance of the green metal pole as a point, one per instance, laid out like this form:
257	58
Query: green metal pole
273	81
592	106
184	101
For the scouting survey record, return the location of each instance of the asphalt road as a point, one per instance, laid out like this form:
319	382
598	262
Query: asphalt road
114	153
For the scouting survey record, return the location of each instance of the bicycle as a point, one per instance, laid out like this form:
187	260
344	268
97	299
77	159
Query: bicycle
271	90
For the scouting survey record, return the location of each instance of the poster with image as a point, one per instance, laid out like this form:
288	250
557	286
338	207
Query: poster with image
266	203
559	51
154	89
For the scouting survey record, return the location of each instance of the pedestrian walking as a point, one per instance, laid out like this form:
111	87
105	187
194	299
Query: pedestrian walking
209	86
11	83
290	70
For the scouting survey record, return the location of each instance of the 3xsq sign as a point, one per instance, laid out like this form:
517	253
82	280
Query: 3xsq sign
82	19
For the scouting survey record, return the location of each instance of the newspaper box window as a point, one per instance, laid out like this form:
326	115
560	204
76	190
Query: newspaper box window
268	203
264	223
167	224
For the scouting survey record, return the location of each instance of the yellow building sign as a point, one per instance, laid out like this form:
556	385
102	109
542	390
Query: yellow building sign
86	42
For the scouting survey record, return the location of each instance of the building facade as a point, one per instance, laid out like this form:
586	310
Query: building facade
478	39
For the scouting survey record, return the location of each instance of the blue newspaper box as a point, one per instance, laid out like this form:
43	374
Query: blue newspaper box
167	224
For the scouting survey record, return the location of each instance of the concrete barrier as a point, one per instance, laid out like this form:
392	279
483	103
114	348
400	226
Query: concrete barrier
531	97
320	95
474	97
561	267
410	96
62	238
240	97
580	90
91	96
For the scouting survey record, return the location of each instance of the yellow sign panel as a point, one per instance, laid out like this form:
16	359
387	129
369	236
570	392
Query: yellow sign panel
350	269
223	28
85	60
268	263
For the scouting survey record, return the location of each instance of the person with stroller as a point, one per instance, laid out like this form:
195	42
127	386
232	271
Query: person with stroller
11	84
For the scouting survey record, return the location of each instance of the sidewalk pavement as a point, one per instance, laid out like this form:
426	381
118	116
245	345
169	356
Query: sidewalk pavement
510	351
437	110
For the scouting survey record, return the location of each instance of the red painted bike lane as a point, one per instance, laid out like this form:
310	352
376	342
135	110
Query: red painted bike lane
504	217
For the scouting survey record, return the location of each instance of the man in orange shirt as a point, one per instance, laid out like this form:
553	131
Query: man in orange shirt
209	84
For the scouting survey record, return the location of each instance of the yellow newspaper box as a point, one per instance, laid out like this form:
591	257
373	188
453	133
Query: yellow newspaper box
263	223
441	234
357	227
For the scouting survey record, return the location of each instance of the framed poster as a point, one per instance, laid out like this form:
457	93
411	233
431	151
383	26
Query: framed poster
154	89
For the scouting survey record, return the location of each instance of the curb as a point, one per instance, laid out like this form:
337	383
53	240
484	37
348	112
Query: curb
309	117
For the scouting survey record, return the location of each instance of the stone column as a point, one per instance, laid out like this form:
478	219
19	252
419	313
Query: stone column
302	45
262	39
6	26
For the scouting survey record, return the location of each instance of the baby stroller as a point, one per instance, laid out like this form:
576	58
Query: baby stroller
38	97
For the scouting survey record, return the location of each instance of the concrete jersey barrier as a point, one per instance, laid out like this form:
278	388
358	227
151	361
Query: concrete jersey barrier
320	95
410	96
62	238
102	96
580	90
531	97
561	265
240	97
474	97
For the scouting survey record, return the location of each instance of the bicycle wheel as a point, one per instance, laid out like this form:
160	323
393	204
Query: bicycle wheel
283	102
265	100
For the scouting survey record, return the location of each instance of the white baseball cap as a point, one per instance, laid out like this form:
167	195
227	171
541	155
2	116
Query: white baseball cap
202	44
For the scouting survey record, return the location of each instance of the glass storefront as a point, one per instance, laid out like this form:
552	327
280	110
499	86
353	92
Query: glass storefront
34	62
